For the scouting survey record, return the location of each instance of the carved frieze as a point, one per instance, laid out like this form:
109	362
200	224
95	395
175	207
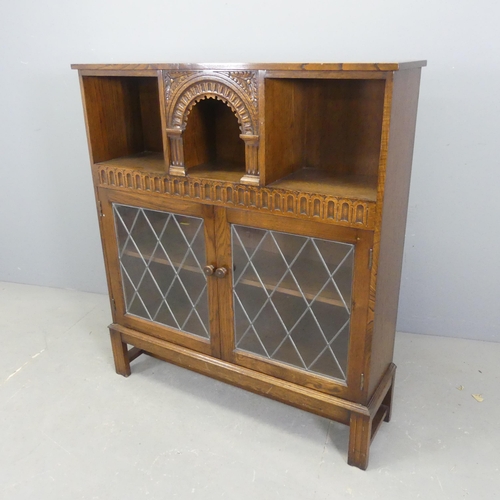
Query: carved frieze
324	208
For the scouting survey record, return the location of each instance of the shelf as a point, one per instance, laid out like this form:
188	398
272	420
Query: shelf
288	291
309	180
146	160
160	260
254	283
154	162
220	171
314	180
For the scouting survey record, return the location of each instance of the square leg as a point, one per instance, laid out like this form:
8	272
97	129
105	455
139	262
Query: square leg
120	354
388	400
360	433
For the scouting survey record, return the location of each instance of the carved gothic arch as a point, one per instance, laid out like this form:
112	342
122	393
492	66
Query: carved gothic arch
237	89
212	87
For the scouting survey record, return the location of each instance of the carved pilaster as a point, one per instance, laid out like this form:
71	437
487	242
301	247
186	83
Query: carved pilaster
251	159
176	165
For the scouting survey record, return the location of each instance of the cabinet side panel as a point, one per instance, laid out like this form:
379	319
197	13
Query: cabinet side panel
150	114
284	117
97	198
163	118
394	212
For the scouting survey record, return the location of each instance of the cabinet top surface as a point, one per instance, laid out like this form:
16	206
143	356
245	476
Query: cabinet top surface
257	66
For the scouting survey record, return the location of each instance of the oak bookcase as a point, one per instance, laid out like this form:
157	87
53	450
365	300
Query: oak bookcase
253	219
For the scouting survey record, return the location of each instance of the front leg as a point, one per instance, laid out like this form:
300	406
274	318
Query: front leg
120	354
360	433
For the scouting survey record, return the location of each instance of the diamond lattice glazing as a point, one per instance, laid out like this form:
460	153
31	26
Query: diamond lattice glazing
292	298
161	256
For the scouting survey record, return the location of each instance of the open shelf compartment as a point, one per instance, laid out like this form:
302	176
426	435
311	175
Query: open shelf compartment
124	123
324	135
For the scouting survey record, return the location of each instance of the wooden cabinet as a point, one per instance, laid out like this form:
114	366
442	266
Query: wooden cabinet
252	220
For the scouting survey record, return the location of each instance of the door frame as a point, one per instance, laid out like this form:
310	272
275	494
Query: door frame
362	240
107	198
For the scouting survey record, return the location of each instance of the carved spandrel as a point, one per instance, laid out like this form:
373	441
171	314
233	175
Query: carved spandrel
173	79
247	80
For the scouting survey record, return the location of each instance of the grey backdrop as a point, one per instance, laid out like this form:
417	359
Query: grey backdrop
48	226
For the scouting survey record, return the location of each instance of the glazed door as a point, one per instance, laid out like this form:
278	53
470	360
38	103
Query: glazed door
157	253
294	299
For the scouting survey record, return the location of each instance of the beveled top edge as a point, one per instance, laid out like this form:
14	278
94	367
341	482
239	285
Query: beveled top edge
256	66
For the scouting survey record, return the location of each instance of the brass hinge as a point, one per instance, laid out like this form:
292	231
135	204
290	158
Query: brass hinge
362	384
370	259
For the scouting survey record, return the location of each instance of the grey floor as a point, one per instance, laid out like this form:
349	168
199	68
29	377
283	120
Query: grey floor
73	429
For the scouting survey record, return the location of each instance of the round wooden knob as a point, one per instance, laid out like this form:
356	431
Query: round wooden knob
209	270
220	272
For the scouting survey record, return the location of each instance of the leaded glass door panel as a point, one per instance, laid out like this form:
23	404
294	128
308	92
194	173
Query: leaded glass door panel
292	292
160	252
292	298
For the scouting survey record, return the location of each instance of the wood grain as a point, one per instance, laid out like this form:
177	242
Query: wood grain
158	330
284	117
163	120
332	407
325	181
123	116
149	102
225	288
332	125
212	282
360	431
212	136
396	183
145	160
239	66
120	354
364	427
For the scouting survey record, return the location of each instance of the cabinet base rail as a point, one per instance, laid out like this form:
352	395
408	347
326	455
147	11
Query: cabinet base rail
363	421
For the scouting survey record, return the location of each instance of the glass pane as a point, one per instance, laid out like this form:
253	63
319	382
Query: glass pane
292	298
161	257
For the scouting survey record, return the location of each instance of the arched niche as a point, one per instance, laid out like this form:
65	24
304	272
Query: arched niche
212	140
212	127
